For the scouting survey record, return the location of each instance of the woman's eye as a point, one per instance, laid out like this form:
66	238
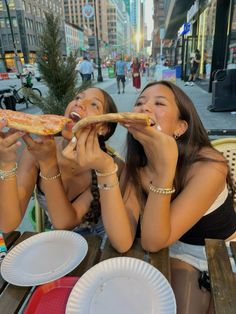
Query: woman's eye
138	104
94	104
77	97
159	103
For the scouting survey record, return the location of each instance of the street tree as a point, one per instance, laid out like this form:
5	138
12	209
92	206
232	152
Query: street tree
57	71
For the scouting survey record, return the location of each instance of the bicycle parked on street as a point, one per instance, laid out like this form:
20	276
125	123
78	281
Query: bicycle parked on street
25	94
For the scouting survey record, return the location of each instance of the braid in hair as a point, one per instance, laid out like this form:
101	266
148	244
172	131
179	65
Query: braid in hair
94	212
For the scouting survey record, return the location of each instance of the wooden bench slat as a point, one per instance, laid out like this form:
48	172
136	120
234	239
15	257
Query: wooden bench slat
110	252
91	258
10	238
159	261
223	283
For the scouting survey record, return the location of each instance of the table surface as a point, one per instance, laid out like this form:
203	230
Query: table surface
13	297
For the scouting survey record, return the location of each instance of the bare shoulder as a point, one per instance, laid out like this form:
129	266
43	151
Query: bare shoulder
212	162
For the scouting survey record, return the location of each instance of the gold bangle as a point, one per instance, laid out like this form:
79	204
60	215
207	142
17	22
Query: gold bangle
163	191
50	178
4	174
108	186
105	174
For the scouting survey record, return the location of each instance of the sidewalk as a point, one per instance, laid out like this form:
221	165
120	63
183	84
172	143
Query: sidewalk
201	100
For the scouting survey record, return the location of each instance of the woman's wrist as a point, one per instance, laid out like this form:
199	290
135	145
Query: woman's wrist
108	167
6	166
49	170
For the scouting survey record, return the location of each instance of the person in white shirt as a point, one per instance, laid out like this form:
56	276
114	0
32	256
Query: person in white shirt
85	69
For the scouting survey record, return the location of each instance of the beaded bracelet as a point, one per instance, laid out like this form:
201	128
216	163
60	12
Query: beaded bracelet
50	178
108	186
6	174
164	191
105	174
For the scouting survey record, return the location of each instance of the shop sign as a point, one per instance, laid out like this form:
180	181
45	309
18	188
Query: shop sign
88	11
184	29
193	10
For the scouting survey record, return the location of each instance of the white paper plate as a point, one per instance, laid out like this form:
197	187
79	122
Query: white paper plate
122	285
44	257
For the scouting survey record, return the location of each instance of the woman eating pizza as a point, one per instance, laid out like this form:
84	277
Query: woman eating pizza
175	183
66	190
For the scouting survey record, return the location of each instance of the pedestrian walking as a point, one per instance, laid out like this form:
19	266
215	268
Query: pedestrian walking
85	69
136	67
120	70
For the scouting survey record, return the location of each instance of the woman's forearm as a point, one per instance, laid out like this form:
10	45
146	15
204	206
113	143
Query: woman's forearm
116	220
60	209
156	226
10	211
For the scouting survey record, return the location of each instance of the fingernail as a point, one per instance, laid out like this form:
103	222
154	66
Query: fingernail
158	127
127	125
74	139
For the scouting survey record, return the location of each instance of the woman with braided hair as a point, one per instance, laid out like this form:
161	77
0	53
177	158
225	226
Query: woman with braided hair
66	190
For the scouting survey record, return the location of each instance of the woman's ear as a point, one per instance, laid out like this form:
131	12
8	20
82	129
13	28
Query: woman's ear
182	128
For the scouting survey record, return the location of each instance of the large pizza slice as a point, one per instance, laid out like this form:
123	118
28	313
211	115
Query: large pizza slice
47	124
123	117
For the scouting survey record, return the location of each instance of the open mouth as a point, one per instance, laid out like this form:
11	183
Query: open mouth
75	117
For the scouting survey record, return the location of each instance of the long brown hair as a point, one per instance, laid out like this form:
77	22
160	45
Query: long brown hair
94	213
189	145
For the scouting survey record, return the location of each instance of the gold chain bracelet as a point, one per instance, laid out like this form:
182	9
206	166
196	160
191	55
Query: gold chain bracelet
164	191
50	178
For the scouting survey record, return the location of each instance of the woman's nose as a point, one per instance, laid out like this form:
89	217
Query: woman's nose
146	107
80	104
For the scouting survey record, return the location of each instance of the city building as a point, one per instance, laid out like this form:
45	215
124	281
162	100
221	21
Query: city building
20	28
207	25
74	40
74	15
119	29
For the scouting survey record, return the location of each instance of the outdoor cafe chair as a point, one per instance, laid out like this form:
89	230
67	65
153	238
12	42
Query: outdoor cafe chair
227	146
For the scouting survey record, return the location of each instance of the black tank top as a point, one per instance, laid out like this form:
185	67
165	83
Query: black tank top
219	224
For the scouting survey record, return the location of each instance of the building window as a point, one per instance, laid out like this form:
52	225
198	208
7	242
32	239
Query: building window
2	23
4	40
14	22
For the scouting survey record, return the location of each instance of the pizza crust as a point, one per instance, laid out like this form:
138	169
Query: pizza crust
124	117
36	124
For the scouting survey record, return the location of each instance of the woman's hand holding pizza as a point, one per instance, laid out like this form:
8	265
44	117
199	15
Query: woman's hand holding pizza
9	143
43	148
161	149
87	153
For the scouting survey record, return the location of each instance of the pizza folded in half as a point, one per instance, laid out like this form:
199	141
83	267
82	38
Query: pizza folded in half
122	117
46	124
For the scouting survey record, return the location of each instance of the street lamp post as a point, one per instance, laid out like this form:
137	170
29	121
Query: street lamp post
100	78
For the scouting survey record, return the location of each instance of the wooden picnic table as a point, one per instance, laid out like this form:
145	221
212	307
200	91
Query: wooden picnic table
222	278
13	297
